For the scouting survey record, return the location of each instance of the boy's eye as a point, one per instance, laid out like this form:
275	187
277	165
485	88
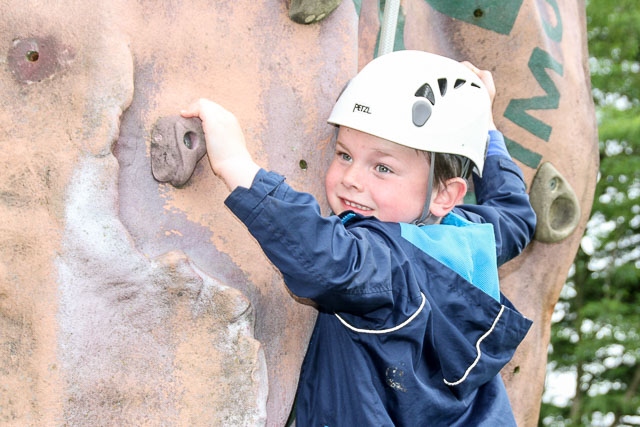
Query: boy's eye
344	156
383	169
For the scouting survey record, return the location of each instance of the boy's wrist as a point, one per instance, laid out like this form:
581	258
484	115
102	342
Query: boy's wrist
237	172
497	146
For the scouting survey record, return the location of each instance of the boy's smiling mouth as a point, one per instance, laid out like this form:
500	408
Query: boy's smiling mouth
355	205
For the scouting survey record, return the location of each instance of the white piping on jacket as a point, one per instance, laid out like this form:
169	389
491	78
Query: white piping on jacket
475	362
385	331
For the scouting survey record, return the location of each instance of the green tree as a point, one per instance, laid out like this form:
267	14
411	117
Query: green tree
596	333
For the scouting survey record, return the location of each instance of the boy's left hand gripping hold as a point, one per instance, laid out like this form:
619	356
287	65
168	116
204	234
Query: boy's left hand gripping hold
226	147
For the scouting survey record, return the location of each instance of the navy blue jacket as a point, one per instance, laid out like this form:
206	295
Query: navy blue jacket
412	329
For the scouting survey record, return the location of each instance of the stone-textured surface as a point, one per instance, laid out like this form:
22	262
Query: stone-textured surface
125	301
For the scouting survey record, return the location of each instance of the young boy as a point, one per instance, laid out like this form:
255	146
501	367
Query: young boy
412	329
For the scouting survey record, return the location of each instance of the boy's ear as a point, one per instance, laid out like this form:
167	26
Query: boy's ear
448	196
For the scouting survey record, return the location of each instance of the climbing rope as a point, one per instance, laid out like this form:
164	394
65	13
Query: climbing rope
389	25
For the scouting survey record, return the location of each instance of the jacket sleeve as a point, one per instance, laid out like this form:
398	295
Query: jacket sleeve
473	348
502	200
318	257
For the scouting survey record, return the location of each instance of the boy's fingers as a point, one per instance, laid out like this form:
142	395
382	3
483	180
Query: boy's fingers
480	73
201	106
192	110
196	107
472	67
469	65
188	112
485	76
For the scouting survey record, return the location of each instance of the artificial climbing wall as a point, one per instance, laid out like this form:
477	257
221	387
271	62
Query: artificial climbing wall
133	299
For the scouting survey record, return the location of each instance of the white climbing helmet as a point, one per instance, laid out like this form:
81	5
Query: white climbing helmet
419	100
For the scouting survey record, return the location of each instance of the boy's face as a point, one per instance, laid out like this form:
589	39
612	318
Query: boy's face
376	177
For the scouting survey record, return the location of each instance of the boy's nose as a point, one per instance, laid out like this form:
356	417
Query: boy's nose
352	178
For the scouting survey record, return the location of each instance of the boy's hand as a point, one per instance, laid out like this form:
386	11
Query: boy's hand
487	79
226	147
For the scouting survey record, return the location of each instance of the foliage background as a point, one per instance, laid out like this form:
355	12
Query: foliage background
595	340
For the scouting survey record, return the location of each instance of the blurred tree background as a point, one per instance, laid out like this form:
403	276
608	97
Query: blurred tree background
596	332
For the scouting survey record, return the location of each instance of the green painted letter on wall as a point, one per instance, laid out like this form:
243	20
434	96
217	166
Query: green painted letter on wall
494	15
517	109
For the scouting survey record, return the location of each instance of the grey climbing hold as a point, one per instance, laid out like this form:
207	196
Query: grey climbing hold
177	144
310	11
555	204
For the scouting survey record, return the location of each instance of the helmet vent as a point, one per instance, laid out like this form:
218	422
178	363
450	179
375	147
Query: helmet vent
425	91
458	83
443	86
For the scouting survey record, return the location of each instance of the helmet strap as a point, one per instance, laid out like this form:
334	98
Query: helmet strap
466	165
427	218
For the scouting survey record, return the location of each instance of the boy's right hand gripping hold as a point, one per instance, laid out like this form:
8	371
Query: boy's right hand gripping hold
487	79
226	147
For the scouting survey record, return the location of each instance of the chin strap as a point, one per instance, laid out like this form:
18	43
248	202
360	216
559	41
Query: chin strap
427	218
466	166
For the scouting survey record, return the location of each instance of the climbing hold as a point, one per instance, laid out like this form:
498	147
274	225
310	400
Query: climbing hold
177	144
310	11
555	204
